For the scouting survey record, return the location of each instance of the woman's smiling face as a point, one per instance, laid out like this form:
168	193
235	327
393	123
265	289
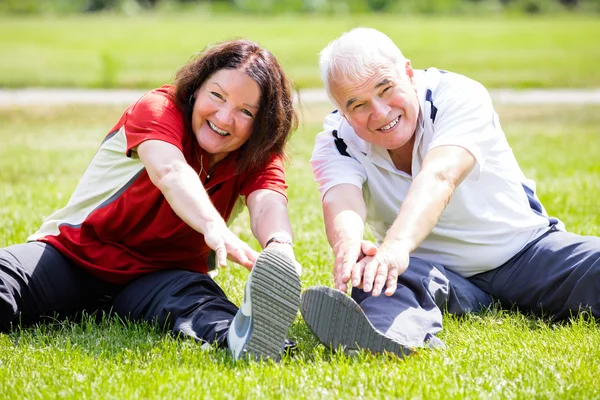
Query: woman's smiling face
224	111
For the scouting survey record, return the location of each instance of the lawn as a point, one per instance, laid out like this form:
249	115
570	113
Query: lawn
145	50
499	354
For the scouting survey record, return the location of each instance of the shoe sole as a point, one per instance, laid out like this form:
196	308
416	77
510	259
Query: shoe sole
338	321
275	292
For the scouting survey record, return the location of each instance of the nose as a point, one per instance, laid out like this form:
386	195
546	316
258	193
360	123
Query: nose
225	115
380	108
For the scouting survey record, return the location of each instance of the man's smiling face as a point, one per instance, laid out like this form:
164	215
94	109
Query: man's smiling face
383	108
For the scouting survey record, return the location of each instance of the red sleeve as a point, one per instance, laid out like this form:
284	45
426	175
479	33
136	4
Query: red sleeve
154	117
271	177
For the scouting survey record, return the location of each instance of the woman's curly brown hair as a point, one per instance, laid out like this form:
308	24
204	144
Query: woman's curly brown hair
276	117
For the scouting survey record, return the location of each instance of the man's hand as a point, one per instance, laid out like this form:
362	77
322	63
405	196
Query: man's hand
381	270
348	254
227	245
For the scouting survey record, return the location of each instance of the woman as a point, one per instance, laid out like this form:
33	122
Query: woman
151	208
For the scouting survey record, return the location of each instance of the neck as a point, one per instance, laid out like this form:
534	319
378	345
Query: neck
402	156
215	158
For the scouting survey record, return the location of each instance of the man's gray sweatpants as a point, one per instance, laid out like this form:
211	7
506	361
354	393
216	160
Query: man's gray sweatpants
556	275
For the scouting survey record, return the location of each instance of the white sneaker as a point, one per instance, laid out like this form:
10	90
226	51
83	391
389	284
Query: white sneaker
271	302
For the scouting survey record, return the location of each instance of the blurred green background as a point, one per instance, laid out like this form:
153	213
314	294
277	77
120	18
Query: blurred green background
140	43
330	7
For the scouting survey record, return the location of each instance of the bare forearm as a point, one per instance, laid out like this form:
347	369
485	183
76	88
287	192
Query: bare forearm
444	168
342	226
272	220
345	214
420	212
188	198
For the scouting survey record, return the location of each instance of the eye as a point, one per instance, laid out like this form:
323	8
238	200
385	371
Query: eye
248	113
385	90
217	95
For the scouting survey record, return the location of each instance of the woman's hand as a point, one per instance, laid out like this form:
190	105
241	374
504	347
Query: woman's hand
228	246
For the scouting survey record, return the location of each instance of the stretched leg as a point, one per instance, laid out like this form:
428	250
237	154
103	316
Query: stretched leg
409	318
194	305
556	275
413	314
37	281
183	301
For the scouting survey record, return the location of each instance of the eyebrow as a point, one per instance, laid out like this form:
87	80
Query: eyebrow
227	94
383	82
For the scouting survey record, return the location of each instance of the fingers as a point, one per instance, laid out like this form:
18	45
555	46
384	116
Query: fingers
392	282
252	255
368	248
380	279
242	254
369	275
238	255
357	272
377	275
344	264
337	274
348	262
221	252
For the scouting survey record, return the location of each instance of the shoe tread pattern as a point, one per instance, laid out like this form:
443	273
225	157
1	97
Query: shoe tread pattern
275	291
337	320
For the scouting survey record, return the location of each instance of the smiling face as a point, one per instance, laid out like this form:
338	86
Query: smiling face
383	108
224	111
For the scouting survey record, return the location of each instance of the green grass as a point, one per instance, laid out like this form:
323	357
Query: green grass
144	51
500	354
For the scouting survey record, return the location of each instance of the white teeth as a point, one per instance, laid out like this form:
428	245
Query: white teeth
219	131
390	125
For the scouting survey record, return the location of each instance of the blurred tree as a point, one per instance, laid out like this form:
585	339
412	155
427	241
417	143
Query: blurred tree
569	3
101	5
379	5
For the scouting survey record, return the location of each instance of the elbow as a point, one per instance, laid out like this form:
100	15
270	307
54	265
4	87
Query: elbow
446	179
166	175
440	184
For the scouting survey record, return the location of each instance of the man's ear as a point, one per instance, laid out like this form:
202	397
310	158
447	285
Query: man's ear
409	71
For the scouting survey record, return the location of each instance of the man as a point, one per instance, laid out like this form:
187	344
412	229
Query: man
421	158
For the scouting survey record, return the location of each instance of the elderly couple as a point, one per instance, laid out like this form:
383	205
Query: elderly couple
418	155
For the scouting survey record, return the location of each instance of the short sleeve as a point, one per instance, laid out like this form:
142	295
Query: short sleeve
154	117
271	177
465	117
331	167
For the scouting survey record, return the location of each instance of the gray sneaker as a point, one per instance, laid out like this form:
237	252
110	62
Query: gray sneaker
338	321
271	302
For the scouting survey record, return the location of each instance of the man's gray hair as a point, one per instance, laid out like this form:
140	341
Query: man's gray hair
356	55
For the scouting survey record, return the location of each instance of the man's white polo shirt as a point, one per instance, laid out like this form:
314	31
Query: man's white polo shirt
492	214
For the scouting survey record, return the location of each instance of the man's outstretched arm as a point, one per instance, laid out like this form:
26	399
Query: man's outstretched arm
444	168
344	212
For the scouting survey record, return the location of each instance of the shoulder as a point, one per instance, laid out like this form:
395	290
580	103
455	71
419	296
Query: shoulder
333	120
452	86
157	105
444	92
